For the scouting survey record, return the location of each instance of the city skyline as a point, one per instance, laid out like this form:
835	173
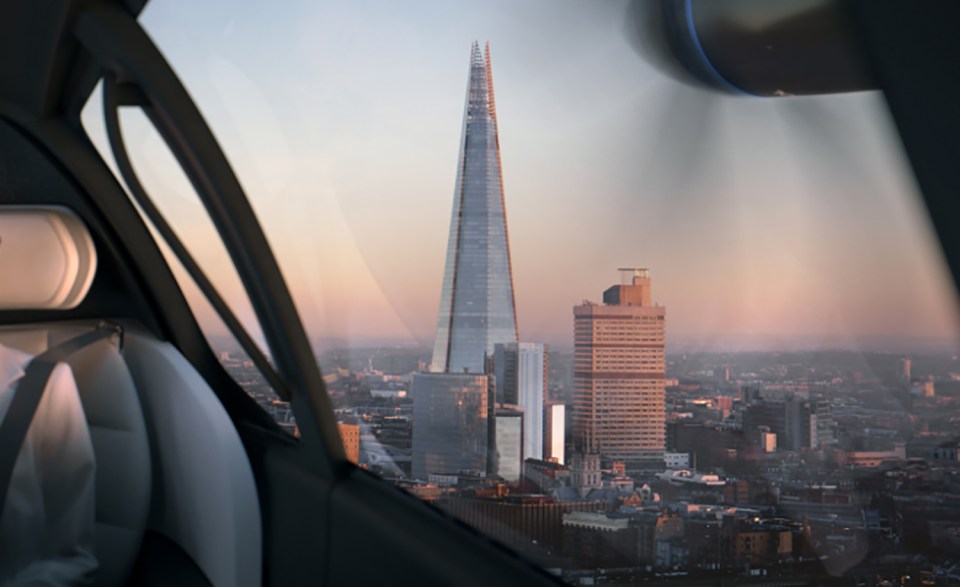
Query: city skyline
766	237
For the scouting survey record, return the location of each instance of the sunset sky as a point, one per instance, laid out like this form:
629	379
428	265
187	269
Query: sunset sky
766	224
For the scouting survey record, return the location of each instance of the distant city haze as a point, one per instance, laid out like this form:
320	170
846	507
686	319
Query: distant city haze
768	224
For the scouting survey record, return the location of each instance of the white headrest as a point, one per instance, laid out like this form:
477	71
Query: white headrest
47	259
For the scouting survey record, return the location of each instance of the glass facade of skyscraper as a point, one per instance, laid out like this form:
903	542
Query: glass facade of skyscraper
476	303
509	444
450	431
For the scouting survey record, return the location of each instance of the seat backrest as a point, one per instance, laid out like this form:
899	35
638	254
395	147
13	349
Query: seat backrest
119	436
204	492
47	262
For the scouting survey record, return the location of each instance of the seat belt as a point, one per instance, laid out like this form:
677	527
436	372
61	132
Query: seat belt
27	398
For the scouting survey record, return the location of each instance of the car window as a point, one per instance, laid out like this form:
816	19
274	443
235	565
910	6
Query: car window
628	327
171	193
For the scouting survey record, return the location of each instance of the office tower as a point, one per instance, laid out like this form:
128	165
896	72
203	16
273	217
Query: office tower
801	424
509	444
350	435
770	416
555	428
825	426
521	371
797	423
905	364
450	413
619	369
476	303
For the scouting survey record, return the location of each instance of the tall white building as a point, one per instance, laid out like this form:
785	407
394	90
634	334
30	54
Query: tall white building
555	433
521	372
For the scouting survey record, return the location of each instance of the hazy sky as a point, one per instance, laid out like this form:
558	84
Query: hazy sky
765	223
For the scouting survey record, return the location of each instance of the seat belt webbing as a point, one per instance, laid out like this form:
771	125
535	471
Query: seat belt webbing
27	397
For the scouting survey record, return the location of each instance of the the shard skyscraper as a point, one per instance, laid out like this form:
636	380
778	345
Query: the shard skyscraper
477	307
453	406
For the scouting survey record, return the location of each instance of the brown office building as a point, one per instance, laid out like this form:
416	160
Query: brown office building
350	435
619	368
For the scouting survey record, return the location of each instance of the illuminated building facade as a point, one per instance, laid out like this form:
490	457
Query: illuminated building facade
619	368
350	435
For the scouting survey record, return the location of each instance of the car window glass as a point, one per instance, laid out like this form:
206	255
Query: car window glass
794	302
171	192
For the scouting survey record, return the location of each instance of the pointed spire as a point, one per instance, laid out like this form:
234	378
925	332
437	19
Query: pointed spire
476	57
